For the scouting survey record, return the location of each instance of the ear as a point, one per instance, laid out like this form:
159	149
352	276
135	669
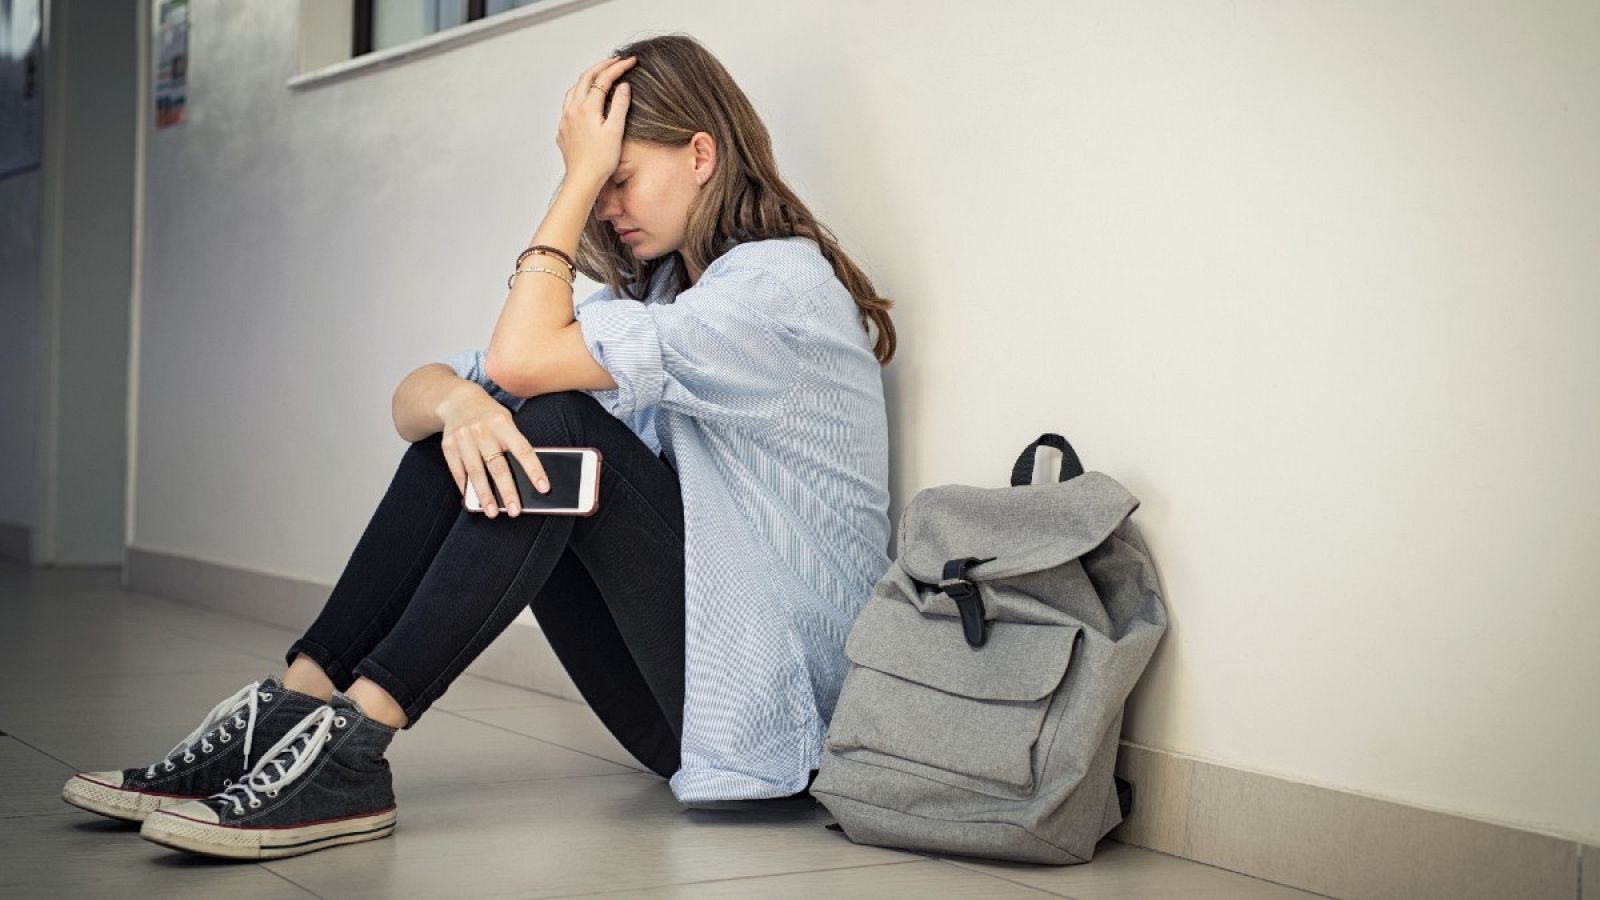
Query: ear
705	156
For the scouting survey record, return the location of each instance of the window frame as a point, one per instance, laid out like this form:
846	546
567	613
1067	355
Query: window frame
362	20
327	37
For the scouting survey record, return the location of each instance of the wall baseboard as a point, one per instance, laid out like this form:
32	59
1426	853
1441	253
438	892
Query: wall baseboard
1314	838
1337	843
16	543
521	656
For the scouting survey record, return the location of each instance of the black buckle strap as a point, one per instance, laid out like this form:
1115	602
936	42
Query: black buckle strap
964	592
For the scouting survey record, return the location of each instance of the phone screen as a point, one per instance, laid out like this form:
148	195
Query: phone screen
564	468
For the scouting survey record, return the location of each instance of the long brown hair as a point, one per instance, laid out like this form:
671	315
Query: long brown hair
678	89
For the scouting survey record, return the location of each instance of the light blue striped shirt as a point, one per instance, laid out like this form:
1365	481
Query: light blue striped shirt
760	385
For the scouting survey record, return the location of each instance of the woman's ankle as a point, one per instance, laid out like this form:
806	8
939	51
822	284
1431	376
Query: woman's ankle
376	704
306	677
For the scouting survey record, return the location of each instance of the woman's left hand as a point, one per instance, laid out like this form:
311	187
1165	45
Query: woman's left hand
590	140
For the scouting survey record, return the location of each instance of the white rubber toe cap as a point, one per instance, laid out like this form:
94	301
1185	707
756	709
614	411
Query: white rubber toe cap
103	793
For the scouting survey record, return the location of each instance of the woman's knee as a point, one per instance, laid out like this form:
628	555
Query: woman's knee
568	401
427	453
557	416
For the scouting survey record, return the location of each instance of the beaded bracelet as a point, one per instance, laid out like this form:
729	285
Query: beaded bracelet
550	251
513	278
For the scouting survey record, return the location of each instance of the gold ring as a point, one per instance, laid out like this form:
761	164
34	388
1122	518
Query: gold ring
493	456
595	85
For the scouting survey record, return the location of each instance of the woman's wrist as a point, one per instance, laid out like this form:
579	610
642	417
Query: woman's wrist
419	397
585	183
564	220
454	396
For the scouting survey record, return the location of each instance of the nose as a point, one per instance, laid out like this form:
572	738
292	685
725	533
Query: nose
605	205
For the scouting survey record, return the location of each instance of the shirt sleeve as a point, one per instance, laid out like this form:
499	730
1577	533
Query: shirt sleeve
728	348
468	364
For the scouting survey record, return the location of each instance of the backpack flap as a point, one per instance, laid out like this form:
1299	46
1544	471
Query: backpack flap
1005	532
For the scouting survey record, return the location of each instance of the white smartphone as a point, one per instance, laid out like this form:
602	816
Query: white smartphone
574	474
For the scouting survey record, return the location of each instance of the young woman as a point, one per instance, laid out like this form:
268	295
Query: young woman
727	373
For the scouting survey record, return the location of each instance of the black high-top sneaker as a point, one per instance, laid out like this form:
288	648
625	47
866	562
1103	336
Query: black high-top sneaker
221	750
325	783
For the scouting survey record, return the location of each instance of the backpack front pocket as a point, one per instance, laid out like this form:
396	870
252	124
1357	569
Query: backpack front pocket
919	692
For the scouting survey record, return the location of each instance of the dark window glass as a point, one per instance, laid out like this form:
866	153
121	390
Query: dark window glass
380	24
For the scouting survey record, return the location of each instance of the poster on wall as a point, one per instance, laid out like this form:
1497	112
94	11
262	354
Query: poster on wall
21	85
172	61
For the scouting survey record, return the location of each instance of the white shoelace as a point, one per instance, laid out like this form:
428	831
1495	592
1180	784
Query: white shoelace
298	748
243	703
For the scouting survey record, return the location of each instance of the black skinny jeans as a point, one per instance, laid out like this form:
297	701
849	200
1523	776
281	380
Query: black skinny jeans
430	585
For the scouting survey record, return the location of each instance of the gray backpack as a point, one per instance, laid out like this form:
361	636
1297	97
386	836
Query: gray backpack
983	706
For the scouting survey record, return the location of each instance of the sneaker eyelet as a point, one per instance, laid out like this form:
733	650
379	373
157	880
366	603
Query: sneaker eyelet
339	721
225	737
227	781
206	747
172	765
265	695
255	804
272	793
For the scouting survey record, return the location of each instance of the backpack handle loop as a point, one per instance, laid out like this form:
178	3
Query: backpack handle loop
1023	472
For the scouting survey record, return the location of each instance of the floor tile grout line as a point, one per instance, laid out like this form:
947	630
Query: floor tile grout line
245	661
474	709
243	651
263	867
464	715
1195	862
970	868
232	672
288	633
706	881
127	598
1201	862
276	661
543	778
546	741
42	752
1047	892
144	595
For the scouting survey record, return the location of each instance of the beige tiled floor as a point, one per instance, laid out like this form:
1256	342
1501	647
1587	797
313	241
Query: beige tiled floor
503	792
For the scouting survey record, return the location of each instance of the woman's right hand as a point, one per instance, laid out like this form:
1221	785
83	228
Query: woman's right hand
477	432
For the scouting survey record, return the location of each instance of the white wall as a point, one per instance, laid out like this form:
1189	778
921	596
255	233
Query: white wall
1313	280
